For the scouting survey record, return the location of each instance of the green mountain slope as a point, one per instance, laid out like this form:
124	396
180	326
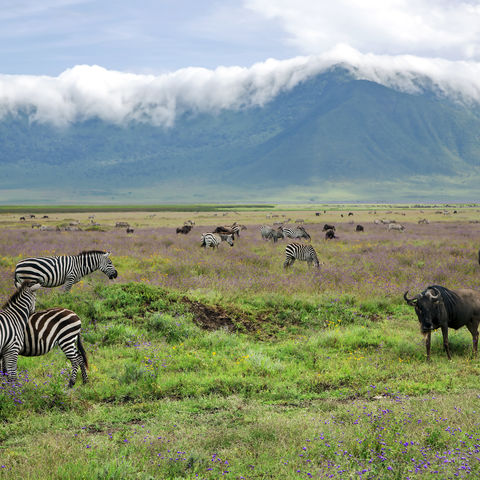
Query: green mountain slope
331	130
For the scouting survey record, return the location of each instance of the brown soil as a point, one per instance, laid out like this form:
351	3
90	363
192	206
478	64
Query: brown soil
215	317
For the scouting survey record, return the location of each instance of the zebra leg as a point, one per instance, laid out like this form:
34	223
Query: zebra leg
10	365
73	377
71	279
70	351
289	261
84	360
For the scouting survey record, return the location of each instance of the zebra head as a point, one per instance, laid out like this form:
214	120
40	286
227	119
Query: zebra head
304	233
106	266
228	238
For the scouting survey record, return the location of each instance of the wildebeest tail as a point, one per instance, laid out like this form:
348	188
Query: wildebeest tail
82	351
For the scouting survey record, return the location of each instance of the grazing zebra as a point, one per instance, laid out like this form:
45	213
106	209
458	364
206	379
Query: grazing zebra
213	240
55	271
269	233
297	232
13	319
298	251
55	326
266	231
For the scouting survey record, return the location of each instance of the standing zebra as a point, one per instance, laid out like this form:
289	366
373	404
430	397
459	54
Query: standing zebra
298	251
213	240
55	271
13	319
236	229
269	232
297	232
55	326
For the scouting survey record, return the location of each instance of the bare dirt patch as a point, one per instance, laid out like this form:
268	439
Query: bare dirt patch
210	317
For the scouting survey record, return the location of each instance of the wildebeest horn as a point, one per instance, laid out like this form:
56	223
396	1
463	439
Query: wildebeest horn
431	295
411	301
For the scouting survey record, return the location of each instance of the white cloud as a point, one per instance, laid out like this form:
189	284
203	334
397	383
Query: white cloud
92	91
444	28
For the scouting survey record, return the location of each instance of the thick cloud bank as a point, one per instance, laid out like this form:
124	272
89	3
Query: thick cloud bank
91	91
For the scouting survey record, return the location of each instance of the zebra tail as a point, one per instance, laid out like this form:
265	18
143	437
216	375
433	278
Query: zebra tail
82	351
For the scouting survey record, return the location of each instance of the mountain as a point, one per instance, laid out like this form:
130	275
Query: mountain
331	137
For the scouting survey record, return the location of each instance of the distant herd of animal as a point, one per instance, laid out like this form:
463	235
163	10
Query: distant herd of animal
28	333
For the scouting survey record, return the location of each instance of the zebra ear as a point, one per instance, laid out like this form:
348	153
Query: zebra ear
107	254
35	287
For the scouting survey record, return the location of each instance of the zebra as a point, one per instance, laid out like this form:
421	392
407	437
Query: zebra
13	319
236	229
213	240
297	232
64	270
269	232
55	326
266	231
298	251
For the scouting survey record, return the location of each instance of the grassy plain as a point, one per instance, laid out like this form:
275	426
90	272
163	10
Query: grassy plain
211	364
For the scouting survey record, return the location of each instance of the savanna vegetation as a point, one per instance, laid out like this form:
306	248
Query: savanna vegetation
212	364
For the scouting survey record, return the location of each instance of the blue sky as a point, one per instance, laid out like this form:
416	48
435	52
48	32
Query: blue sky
49	36
120	60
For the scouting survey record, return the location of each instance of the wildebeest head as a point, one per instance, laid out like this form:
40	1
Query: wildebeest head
428	307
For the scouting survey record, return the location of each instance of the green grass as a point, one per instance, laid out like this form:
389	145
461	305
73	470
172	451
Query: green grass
304	380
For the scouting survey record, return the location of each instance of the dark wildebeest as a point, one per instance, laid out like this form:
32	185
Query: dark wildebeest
130	230
439	307
359	228
328	227
185	229
350	214
330	234
233	230
226	230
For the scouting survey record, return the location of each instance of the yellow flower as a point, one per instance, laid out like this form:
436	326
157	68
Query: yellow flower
214	353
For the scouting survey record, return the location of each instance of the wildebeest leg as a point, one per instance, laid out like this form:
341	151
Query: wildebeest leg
428	337
445	341
474	331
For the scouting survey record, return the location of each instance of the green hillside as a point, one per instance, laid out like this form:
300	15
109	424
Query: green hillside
332	132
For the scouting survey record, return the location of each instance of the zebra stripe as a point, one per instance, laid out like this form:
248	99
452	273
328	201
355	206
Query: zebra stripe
213	240
236	229
13	318
297	232
64	270
298	251
56	326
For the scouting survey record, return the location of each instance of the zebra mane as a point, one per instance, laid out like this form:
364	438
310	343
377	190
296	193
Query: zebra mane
14	297
91	252
449	298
